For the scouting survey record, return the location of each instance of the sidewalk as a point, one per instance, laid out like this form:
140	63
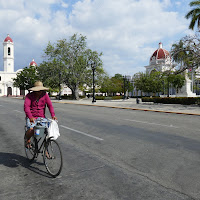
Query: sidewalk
131	104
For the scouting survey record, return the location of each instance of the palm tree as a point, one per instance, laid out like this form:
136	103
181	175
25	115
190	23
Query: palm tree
178	54
194	14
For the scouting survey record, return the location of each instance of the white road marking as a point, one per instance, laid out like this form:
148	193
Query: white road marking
171	126
97	138
18	111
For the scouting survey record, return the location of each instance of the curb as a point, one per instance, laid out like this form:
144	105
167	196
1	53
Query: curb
140	109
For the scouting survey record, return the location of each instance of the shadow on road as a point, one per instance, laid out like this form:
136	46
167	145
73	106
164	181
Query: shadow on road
13	160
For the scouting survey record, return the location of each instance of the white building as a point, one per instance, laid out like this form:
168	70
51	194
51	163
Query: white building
159	61
6	76
8	73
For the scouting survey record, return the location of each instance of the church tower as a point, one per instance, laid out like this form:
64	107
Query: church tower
8	54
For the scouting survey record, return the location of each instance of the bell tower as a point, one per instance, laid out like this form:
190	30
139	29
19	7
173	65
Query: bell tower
8	54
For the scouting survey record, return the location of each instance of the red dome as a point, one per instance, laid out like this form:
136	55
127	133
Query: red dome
33	63
8	38
160	53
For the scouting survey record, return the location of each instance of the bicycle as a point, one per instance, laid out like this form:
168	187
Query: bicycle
49	148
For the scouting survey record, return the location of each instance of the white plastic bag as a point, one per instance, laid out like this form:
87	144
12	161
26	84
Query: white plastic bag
53	130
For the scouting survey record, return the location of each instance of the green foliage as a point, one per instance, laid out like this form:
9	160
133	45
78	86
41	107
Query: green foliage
106	85
176	80
49	75
108	98
115	84
70	97
179	55
26	78
194	14
155	82
148	82
72	59
170	100
186	52
138	80
117	97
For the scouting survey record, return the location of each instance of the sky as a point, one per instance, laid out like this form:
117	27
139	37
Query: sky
127	32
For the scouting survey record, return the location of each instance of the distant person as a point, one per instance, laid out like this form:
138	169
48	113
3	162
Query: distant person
34	107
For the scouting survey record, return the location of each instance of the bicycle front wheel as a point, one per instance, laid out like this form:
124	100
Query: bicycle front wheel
30	149
52	156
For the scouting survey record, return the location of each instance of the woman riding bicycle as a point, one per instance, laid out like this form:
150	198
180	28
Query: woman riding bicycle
34	107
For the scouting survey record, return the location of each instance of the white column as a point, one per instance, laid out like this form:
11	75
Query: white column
5	89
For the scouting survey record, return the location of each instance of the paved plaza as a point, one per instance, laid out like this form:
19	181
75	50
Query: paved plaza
132	105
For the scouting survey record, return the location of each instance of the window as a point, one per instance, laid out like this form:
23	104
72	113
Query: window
0	91
9	51
0	78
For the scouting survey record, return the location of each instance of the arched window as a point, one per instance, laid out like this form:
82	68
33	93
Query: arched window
9	51
153	71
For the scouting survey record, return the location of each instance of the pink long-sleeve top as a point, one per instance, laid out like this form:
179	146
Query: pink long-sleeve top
36	108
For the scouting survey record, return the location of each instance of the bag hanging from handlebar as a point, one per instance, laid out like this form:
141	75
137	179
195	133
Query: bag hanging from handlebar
53	130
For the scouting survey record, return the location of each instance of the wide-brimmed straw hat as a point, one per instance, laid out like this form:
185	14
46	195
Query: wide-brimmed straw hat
38	86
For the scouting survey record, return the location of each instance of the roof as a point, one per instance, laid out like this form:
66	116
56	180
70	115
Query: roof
160	53
8	39
33	63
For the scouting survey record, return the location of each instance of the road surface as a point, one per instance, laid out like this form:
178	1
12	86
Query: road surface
109	154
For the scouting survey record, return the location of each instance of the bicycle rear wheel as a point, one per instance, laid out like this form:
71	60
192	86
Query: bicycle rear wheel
30	149
52	157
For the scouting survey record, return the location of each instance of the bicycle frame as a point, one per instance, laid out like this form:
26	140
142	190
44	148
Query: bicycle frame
39	149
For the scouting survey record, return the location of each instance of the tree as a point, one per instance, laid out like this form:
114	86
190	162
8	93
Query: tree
72	58
49	73
106	85
26	78
187	51
178	54
117	84
176	80
194	14
137	79
152	82
128	85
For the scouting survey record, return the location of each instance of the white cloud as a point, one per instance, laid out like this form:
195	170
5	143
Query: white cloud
125	27
126	31
178	3
64	5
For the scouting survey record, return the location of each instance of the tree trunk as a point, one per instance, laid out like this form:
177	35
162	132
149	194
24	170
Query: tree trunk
75	94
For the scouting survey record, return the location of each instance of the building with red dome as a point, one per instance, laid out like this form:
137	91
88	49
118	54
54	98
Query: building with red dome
8	73
8	39
33	63
160	60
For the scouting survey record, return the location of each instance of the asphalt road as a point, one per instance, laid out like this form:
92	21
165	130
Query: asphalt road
109	154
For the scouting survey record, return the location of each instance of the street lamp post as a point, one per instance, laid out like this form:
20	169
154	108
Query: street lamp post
93	66
197	86
124	77
163	87
59	86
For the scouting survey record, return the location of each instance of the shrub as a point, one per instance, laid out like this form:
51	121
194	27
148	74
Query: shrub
173	100
147	99
108	98
117	97
99	97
